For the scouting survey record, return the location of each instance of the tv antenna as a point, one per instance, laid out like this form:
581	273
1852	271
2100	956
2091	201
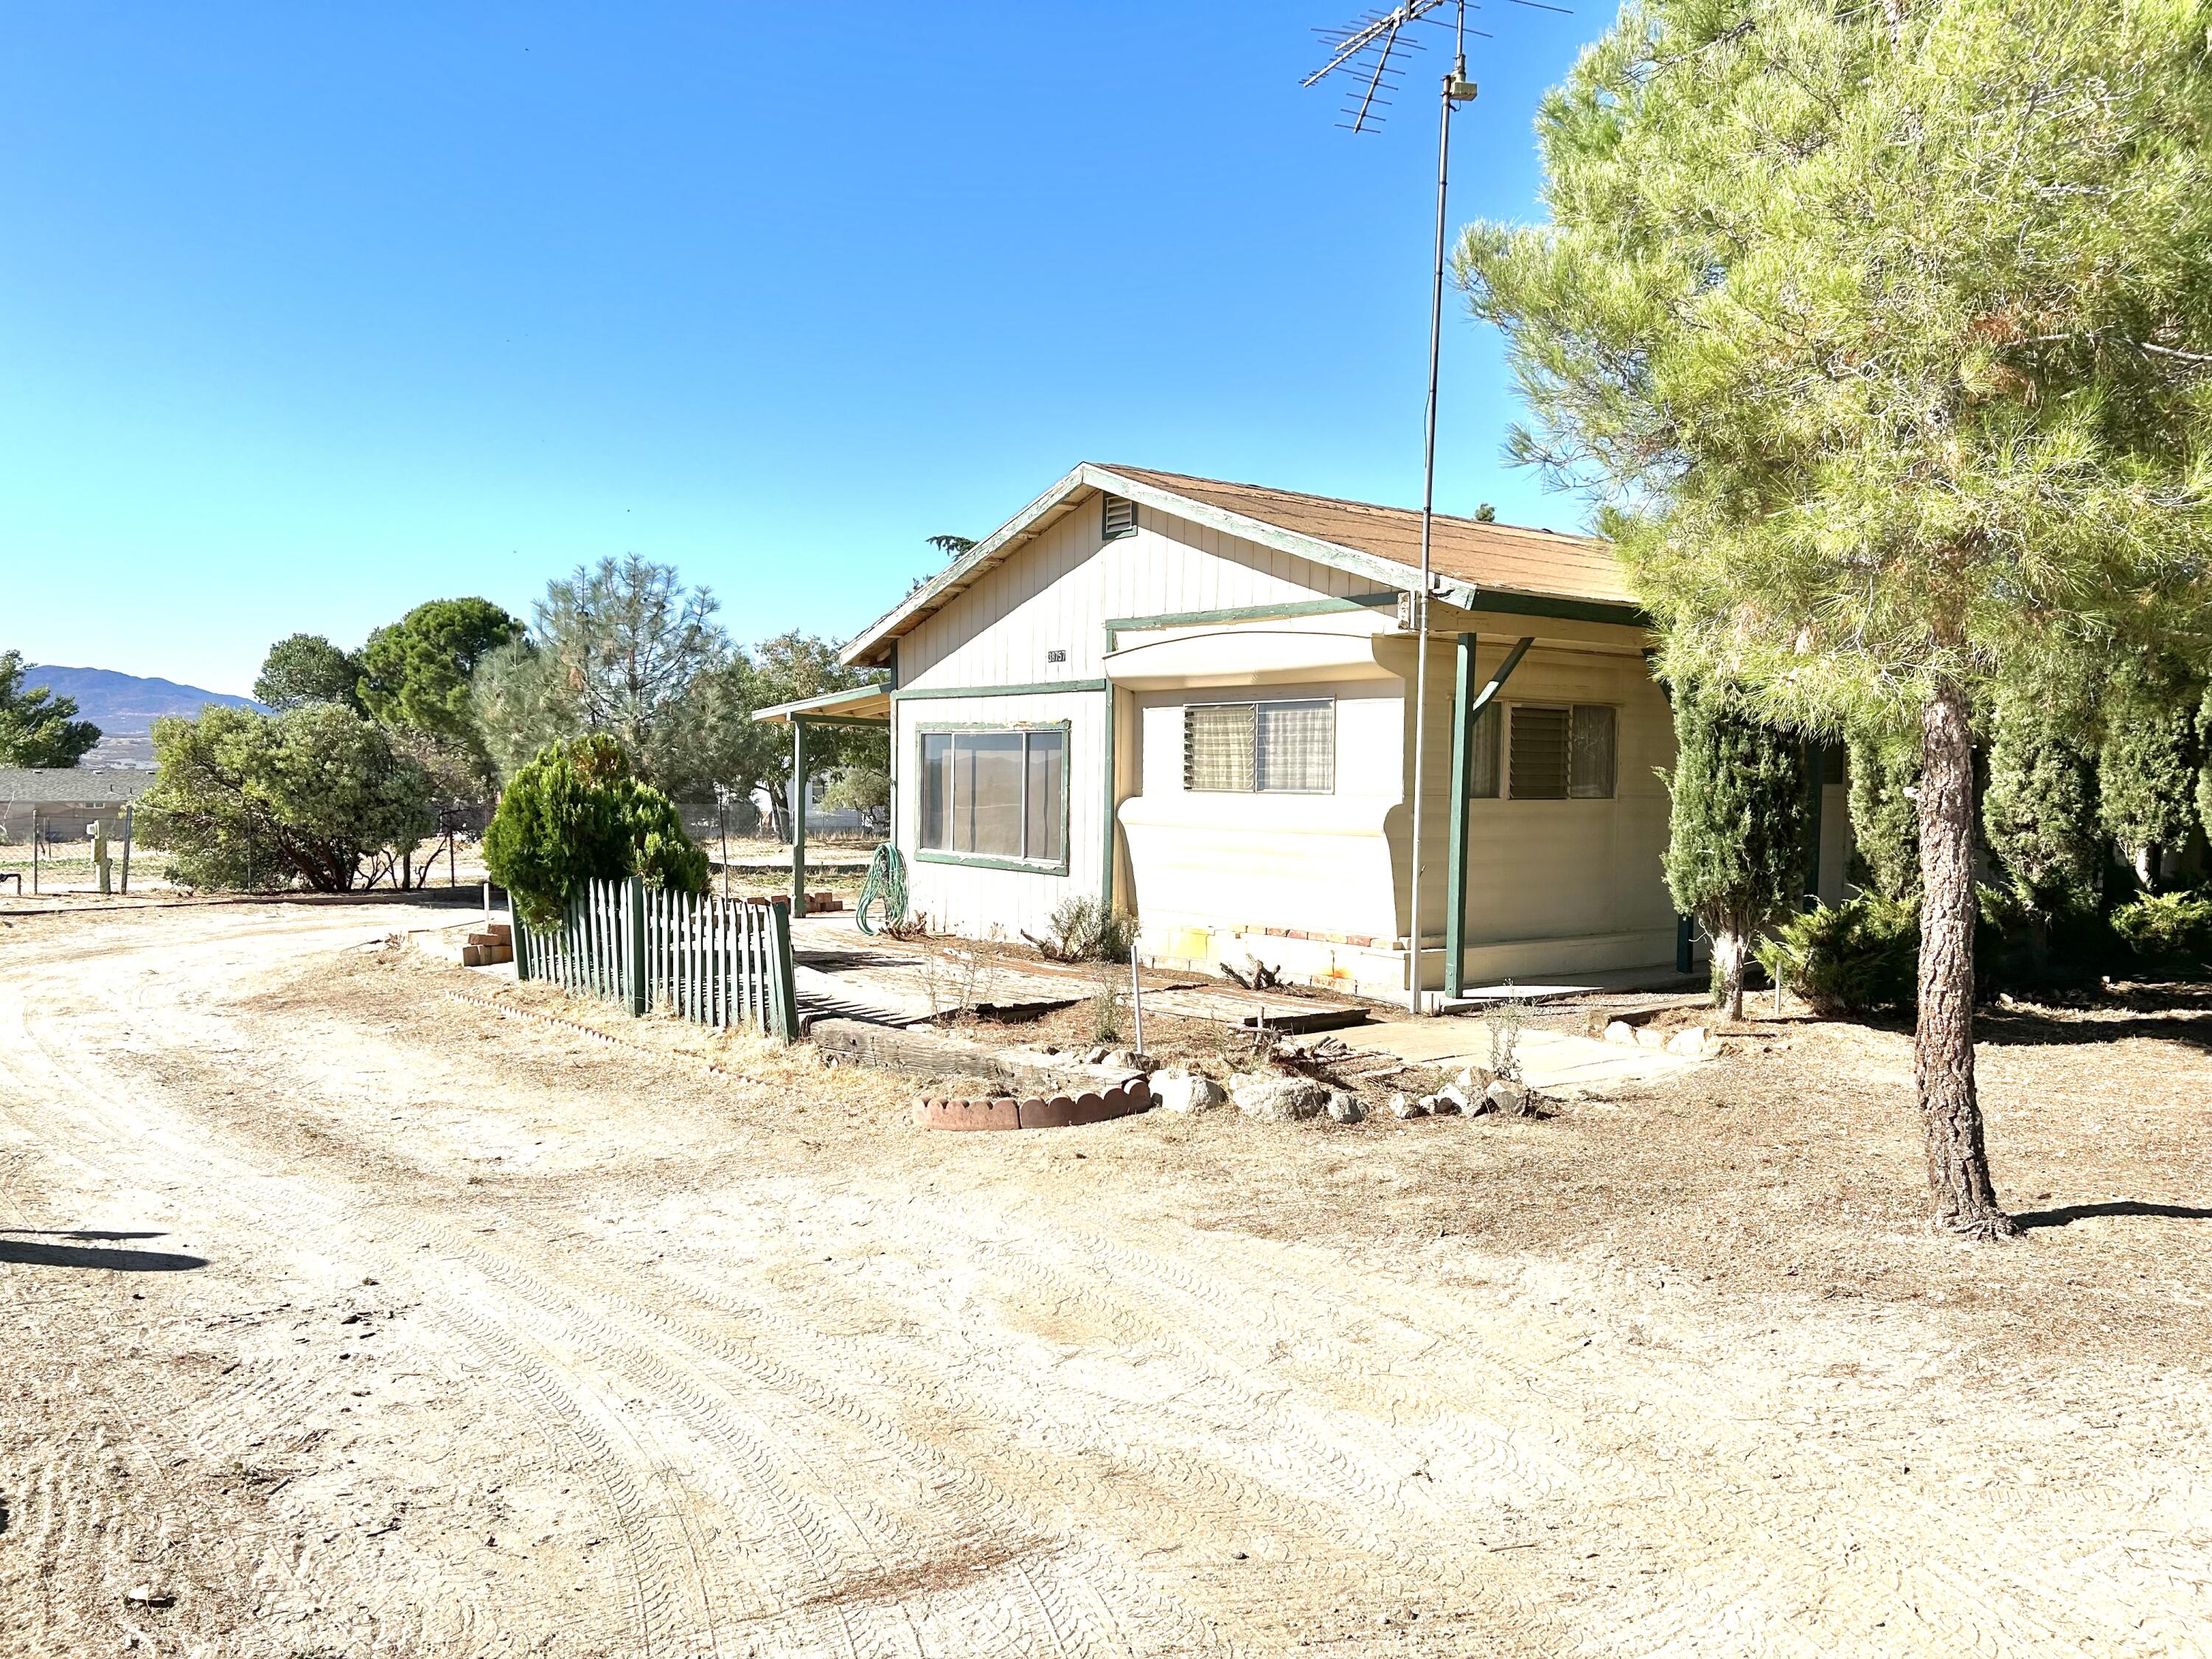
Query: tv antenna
1370	55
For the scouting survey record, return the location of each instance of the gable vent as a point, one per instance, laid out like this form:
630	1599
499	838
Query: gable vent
1120	516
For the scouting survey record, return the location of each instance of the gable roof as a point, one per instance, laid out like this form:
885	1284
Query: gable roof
1478	566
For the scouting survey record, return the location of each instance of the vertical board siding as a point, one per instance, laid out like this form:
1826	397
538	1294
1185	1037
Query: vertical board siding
1058	591
718	961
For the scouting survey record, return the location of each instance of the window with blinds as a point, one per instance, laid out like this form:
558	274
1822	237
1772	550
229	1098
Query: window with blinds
996	794
1482	772
1237	748
1553	752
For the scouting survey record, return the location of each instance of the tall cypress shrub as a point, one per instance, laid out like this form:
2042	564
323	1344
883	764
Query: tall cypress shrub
2146	767
577	814
2040	814
1885	817
1736	852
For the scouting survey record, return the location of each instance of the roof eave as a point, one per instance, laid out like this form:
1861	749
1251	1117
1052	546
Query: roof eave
868	649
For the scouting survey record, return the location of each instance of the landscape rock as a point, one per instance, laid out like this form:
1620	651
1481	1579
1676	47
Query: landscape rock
1620	1031
1403	1106
149	1595
1452	1097
1345	1107
1185	1091
1648	1038
1124	1060
1280	1100
1511	1098
1690	1040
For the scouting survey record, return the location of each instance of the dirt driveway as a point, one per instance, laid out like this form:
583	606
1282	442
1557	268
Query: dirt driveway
342	1318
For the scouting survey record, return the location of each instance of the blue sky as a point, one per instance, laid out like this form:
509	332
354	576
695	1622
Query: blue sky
310	313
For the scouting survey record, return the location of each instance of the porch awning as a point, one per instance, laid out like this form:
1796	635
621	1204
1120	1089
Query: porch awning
870	704
1249	655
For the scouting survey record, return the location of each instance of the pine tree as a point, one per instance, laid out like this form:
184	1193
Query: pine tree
2039	809
1735	853
1884	333
1885	777
2148	766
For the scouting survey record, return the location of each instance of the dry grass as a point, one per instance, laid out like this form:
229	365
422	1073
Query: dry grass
1790	1167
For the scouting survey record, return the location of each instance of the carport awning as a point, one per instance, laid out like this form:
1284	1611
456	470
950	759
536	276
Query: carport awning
870	703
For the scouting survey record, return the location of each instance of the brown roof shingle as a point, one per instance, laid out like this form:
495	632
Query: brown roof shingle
1537	561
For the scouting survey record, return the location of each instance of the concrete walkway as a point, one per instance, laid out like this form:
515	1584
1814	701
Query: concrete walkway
1549	1060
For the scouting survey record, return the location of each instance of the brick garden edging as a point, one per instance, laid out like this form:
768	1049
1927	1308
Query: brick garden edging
1034	1112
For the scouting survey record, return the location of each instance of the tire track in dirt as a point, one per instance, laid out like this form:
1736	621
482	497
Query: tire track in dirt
825	1567
993	1366
879	1436
224	1182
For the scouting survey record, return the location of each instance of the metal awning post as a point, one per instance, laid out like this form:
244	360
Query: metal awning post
1462	750
798	816
1466	710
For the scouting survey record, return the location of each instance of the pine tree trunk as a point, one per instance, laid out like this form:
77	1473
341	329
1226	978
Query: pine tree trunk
1943	1046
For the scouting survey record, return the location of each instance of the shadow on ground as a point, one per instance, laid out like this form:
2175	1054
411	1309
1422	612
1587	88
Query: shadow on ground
86	1253
2065	1214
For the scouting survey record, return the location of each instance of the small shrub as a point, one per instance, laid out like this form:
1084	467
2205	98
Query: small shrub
2168	932
576	814
1855	958
1085	929
1106	1006
1504	1021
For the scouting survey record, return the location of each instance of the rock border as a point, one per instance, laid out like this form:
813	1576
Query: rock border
1057	1111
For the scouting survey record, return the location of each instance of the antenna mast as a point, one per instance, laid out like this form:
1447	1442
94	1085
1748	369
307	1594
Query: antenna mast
1371	45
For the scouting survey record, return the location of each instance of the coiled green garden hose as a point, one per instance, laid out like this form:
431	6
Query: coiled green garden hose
885	885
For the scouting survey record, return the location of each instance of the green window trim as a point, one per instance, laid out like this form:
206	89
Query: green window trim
1059	867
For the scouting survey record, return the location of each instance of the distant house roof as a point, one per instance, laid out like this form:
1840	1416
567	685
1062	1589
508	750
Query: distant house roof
74	785
1515	568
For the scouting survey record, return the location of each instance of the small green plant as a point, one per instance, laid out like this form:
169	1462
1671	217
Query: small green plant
1085	929
2168	932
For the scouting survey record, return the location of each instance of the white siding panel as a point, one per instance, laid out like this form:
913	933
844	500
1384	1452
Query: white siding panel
967	900
1058	591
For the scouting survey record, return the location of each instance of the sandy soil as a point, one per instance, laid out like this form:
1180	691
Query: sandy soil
345	1318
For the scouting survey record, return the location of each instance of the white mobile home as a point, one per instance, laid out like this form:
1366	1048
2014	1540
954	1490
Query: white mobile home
1196	698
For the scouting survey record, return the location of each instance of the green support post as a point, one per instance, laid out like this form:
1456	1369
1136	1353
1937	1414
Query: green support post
1467	710
798	816
783	988
633	920
1462	752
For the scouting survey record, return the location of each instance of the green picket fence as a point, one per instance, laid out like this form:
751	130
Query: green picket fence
719	962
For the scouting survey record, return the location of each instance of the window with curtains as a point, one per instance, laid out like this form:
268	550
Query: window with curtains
1552	751
1287	747
996	794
